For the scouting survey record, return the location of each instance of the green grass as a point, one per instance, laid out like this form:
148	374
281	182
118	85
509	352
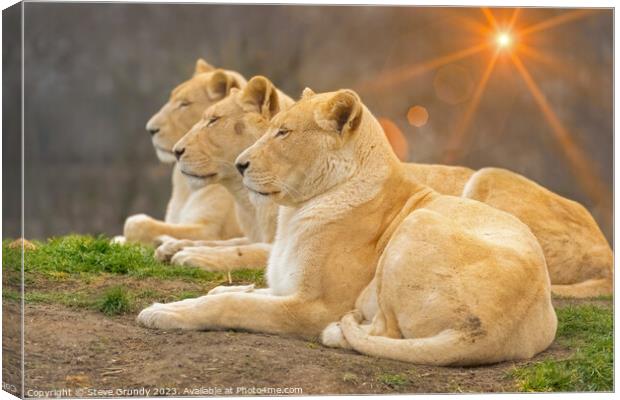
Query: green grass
115	301
77	299
588	330
11	295
62	271
350	377
88	255
78	261
393	380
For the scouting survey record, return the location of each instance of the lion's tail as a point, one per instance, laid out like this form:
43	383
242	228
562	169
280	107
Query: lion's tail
589	288
445	348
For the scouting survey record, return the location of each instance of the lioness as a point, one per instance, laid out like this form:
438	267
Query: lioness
207	213
207	154
458	282
579	259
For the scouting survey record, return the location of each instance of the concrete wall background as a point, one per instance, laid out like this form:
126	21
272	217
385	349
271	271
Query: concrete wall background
95	73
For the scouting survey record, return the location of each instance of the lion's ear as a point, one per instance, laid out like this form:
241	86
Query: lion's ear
307	93
220	84
342	112
202	66
261	96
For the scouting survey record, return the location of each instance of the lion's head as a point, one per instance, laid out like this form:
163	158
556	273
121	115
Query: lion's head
320	142
207	153
187	103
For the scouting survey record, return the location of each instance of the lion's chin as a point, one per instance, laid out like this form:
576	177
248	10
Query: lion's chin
260	196
197	181
258	200
165	156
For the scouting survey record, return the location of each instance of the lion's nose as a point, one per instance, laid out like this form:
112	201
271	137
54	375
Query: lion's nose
241	167
179	152
153	131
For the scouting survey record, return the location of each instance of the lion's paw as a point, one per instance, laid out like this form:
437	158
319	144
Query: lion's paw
161	239
140	228
162	316
196	257
169	248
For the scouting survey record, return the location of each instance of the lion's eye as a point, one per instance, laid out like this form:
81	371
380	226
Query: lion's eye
212	120
185	103
282	132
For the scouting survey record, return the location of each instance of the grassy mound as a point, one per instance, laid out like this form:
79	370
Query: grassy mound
588	329
76	254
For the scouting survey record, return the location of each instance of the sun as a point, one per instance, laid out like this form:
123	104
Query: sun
503	39
508	42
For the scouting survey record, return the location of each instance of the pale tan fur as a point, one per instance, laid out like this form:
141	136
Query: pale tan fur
209	150
207	213
579	258
458	282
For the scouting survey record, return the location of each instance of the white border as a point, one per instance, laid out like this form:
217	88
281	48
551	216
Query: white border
462	3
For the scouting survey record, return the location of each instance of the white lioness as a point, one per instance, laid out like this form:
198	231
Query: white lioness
579	258
208	153
207	213
458	282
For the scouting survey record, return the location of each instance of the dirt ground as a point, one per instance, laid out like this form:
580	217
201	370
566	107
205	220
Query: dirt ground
87	354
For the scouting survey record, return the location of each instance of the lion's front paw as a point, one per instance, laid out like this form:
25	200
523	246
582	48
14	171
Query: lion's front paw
169	248
140	228
163	316
161	239
201	257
